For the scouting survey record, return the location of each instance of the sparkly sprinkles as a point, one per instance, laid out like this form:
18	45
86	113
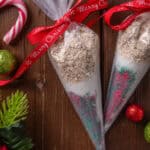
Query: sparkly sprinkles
75	53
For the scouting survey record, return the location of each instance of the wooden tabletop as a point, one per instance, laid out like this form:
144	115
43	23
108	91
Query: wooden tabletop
52	121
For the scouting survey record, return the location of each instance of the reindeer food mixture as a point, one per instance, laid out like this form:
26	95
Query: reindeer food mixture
75	53
134	42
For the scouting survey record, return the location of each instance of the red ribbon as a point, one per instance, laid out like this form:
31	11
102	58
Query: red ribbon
44	37
135	6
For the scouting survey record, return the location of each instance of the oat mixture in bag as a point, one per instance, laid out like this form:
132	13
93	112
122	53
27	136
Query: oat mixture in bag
75	53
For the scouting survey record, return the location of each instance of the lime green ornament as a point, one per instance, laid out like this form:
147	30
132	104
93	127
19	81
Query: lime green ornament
7	62
147	132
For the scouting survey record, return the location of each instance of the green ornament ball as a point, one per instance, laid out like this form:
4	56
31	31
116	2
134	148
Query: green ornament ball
147	132
7	62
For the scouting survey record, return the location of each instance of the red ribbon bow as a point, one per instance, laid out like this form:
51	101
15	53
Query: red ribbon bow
46	36
136	6
78	13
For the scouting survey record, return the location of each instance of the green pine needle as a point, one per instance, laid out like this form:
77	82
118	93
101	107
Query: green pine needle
15	139
14	109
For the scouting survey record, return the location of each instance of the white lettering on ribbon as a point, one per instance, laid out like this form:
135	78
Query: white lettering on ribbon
144	2
87	8
58	31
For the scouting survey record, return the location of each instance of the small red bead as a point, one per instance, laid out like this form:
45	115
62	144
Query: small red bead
135	113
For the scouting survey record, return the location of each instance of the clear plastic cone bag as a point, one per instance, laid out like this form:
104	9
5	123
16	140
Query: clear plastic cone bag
131	62
75	57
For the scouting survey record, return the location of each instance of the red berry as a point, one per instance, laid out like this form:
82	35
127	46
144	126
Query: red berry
135	113
3	147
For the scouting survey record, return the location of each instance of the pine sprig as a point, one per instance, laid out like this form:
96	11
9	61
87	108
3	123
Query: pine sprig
14	138
14	109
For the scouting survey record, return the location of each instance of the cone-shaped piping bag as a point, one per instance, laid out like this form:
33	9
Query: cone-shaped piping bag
131	62
75	58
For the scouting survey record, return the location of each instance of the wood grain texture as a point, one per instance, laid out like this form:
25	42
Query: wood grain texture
52	122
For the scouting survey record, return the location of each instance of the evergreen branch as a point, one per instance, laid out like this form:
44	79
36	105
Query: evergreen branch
14	109
15	139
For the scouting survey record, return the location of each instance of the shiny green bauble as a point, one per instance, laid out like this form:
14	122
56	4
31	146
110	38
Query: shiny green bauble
7	62
147	132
